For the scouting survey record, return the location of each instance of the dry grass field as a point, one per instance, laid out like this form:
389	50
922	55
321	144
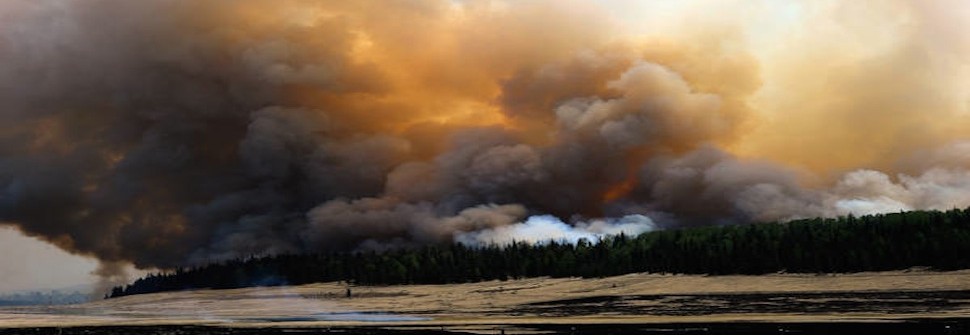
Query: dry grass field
635	298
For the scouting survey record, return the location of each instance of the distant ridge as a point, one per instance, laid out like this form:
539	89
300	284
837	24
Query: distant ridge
62	296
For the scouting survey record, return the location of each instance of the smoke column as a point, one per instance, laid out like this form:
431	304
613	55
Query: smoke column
169	132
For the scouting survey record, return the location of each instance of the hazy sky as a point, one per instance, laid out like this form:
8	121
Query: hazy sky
30	264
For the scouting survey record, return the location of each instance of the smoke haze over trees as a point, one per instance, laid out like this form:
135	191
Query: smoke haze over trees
169	132
939	240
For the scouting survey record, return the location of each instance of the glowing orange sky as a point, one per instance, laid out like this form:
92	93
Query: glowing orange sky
826	86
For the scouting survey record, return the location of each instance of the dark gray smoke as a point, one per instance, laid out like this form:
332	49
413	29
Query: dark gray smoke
167	132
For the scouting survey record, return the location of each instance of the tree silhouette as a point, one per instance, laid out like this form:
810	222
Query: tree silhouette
939	240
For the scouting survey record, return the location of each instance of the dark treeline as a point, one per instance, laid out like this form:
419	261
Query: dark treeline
939	240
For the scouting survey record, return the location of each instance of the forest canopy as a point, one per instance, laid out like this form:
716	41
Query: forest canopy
934	239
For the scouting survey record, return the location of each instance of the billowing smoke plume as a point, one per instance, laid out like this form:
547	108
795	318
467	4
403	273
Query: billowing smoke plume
547	228
166	132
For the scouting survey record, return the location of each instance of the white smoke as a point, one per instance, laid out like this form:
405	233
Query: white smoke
541	229
864	192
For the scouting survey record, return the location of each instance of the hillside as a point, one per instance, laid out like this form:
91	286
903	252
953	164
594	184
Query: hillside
933	239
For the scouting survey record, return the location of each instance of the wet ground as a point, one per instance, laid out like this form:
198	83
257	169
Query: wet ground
809	303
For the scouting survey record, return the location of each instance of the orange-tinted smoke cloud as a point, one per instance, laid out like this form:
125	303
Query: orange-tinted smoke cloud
164	132
437	65
442	65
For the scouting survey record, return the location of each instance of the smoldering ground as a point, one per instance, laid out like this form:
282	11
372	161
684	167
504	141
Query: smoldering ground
169	132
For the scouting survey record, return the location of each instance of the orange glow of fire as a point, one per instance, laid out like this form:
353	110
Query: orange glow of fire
620	189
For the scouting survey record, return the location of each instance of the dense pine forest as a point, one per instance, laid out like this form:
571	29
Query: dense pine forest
939	240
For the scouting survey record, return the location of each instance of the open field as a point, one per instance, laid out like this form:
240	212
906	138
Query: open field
531	304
